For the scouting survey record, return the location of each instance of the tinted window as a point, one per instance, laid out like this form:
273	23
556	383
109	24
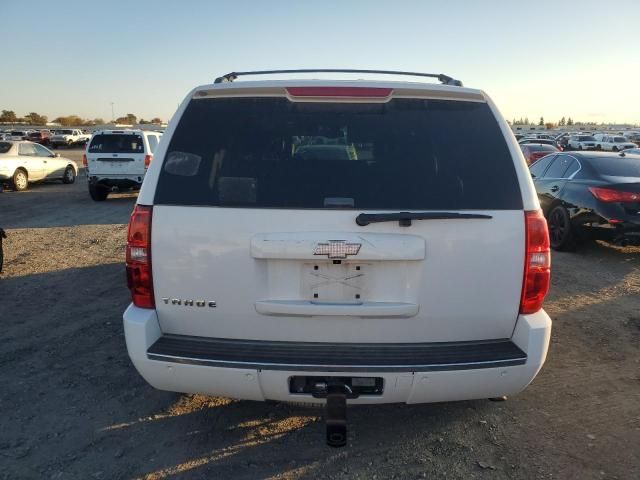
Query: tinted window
26	149
538	168
116	143
558	167
404	154
5	147
616	166
153	141
573	167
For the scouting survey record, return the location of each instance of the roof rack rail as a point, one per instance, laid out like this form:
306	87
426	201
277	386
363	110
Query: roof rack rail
444	79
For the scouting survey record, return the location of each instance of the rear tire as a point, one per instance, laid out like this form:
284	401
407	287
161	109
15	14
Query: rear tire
561	235
615	149
98	193
20	180
69	175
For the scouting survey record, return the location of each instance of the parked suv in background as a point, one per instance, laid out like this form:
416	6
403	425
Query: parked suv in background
581	142
613	143
395	267
118	160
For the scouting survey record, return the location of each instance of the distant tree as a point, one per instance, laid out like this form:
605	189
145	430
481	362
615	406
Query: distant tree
8	116
97	121
142	121
35	119
569	122
526	120
130	119
70	121
541	122
550	126
562	122
156	120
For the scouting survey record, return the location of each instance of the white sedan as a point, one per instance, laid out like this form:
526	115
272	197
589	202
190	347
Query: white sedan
25	162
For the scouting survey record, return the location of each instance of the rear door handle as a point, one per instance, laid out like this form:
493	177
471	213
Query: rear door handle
555	188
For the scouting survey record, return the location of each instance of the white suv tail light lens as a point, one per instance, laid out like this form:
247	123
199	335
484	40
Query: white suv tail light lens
138	257
537	267
147	160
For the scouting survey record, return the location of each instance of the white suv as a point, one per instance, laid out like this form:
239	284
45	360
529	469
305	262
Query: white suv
118	160
581	142
613	143
338	241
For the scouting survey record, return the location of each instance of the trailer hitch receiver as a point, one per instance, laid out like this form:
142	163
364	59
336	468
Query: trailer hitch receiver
336	393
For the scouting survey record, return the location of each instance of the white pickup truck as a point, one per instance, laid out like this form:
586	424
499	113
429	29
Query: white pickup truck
69	137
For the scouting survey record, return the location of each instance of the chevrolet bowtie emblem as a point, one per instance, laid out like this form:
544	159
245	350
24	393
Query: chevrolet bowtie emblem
337	248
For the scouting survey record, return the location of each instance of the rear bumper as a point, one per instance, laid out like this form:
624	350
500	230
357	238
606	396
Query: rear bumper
478	370
119	181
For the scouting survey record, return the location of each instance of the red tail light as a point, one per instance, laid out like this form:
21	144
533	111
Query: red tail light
610	195
84	160
147	160
374	92
537	267
138	254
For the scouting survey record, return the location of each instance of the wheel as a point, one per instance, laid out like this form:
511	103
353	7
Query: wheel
20	180
579	147
98	193
69	175
598	147
561	235
615	149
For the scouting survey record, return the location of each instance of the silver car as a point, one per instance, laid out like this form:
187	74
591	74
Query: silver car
23	162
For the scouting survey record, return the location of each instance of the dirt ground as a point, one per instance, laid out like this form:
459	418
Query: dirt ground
73	407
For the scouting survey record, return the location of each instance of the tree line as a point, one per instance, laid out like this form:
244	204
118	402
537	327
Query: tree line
33	118
563	122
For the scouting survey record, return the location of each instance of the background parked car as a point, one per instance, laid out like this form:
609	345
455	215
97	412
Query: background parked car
118	160
581	142
613	143
632	151
24	162
594	195
69	137
534	151
42	137
19	134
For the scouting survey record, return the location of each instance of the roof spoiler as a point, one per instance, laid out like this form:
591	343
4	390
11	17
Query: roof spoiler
444	79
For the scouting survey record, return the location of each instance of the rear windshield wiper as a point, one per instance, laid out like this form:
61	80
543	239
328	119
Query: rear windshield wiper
404	218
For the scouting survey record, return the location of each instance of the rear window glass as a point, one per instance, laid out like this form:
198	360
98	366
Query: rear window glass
617	166
5	147
404	154
116	143
543	148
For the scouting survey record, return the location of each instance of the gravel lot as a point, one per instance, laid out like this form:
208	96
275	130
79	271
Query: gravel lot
72	406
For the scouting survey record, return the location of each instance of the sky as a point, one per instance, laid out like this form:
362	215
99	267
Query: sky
578	59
